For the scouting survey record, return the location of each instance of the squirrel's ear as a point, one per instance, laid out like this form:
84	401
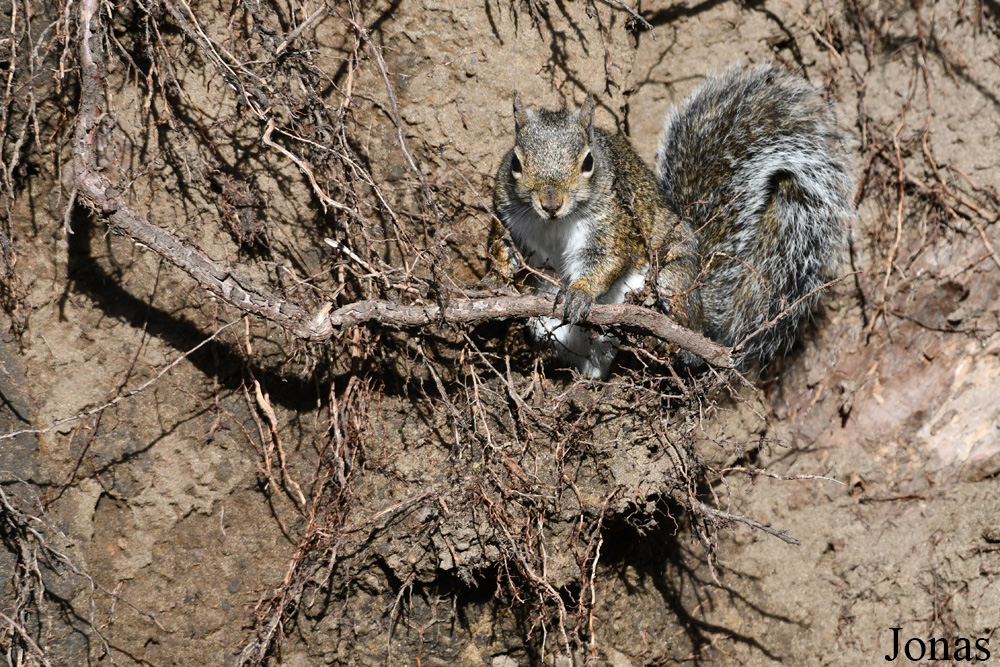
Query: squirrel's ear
520	114
587	116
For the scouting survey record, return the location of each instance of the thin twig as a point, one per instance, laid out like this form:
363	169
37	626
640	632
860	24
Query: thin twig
989	246
722	515
298	31
636	17
833	50
118	399
26	636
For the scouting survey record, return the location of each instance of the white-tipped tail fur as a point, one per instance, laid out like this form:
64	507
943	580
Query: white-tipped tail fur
754	160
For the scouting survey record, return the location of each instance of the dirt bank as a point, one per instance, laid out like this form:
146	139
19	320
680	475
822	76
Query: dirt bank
187	483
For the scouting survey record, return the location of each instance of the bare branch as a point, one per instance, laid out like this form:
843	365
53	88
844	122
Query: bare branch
721	515
503	307
254	299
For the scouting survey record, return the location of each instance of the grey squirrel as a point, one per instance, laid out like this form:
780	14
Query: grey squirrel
745	218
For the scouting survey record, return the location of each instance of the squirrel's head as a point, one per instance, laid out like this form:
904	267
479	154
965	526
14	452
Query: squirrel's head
552	164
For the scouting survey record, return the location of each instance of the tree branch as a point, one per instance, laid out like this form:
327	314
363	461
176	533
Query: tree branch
243	294
504	307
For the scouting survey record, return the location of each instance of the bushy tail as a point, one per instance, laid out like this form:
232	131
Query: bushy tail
755	161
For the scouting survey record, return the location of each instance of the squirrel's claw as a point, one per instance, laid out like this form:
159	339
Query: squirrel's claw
577	304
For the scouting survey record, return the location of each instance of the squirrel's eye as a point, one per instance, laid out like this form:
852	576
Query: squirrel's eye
587	166
515	166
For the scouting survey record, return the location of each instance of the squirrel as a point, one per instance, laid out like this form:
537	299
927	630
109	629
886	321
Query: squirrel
744	220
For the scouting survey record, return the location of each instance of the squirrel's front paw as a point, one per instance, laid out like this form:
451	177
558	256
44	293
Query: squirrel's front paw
576	306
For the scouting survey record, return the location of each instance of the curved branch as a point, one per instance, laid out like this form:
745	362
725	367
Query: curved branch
504	307
245	295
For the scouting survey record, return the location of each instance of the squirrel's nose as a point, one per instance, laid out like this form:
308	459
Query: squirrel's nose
551	201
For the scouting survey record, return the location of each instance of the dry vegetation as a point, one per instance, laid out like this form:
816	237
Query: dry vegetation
406	477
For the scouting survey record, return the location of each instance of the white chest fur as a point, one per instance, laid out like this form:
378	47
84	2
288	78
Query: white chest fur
558	245
561	246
